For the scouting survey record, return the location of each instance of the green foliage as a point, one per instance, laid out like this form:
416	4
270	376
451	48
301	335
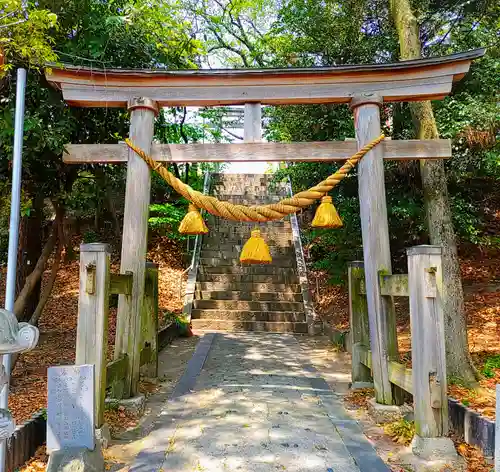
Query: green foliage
92	33
25	34
26	205
308	33
168	317
166	219
90	237
490	365
183	324
231	31
112	405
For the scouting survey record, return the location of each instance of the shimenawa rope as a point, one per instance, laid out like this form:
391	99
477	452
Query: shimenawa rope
261	213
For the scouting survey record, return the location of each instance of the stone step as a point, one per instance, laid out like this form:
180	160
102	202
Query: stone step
257	326
263	199
246	190
248	278
241	295
237	244
249	287
260	269
246	228
242	232
266	195
212	244
247	305
248	187
234	253
243	237
278	261
238	315
255	180
222	223
217	176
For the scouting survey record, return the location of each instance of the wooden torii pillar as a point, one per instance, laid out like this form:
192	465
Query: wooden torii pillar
364	87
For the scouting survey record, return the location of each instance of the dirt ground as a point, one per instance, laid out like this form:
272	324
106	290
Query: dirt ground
128	431
58	337
480	275
57	325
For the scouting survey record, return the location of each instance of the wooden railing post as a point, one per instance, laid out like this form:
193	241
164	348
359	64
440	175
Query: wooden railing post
149	325
360	331
93	306
425	280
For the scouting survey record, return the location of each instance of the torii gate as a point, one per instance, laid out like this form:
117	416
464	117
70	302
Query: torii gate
364	87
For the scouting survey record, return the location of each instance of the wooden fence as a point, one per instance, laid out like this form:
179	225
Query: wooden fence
97	283
426	381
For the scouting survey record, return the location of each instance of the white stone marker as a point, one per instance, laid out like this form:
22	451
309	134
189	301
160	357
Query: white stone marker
70	407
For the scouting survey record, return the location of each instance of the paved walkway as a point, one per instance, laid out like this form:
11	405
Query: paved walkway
251	403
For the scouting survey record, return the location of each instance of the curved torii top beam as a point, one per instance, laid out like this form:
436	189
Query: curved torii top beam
402	81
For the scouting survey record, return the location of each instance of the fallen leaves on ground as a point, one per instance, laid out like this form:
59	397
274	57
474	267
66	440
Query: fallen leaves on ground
58	324
480	265
331	302
473	456
359	398
38	463
168	254
120	420
481	400
483	322
56	346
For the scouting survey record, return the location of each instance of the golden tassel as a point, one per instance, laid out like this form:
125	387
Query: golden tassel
255	250
326	215
193	222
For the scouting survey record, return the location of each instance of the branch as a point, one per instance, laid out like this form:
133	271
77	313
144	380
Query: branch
48	287
176	170
37	272
12	24
252	24
7	15
453	24
230	48
181	126
232	134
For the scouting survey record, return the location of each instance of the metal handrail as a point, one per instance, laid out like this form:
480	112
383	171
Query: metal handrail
193	267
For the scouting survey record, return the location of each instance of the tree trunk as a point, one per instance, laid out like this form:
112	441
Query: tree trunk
434	184
34	278
30	247
47	289
102	181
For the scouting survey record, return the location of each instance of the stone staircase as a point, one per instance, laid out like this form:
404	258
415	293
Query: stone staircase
234	297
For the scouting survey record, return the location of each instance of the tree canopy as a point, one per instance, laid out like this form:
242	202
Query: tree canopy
242	33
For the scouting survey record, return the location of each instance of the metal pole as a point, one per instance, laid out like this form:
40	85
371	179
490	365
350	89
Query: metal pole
15	212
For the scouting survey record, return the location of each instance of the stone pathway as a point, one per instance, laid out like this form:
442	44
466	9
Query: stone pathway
251	403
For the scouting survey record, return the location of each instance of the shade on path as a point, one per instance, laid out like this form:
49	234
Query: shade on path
251	403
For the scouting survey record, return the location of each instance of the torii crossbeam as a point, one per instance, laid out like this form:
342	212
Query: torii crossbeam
364	87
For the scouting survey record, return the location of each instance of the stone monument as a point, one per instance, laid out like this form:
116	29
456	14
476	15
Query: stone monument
70	407
71	440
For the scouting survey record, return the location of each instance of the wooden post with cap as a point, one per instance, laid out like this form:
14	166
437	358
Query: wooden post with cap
376	248
134	242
